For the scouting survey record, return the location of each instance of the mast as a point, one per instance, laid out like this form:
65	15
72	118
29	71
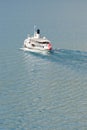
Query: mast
36	33
34	30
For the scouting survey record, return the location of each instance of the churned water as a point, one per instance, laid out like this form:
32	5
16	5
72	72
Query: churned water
43	92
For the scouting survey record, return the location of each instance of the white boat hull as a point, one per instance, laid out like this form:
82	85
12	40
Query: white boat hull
34	46
35	50
37	43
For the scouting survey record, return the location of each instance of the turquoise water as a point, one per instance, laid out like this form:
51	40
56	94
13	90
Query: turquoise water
46	92
43	91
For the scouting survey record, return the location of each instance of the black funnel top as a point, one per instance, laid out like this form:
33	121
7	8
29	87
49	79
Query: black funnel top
38	31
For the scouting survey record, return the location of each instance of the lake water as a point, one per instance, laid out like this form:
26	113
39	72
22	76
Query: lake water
42	91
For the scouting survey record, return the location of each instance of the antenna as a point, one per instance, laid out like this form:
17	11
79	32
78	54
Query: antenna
34	28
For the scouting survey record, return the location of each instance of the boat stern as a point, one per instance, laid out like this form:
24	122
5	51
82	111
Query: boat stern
49	46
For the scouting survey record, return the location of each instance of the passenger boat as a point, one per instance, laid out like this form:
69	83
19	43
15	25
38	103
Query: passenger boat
37	42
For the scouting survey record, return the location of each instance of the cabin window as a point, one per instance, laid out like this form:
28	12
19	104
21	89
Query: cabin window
33	45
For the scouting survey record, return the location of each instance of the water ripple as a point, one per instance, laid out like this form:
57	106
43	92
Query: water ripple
43	91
